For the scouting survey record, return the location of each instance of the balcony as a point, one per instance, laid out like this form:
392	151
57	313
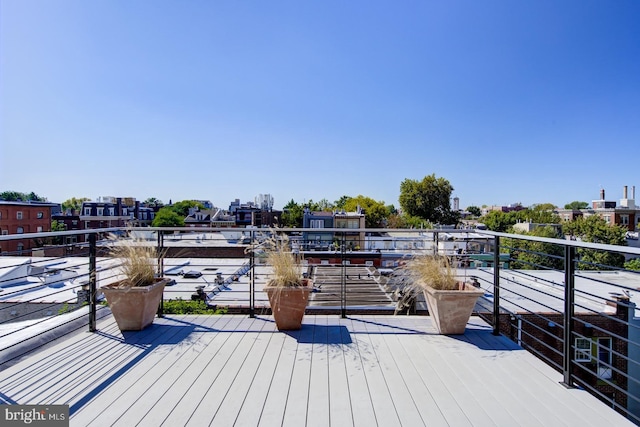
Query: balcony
520	362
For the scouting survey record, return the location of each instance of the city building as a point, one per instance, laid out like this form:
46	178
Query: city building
115	212
625	214
22	218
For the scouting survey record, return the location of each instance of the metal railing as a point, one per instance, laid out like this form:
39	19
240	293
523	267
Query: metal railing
556	298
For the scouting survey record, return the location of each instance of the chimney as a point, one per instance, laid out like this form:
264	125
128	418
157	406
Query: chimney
633	192
602	194
624	192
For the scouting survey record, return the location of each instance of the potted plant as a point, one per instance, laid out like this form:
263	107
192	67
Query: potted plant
134	300
287	289
449	300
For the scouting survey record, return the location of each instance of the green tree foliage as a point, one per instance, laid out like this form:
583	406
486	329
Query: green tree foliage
595	229
428	199
504	221
632	264
292	214
74	203
339	204
152	202
323	205
529	255
375	212
406	221
499	221
182	207
14	196
167	217
539	214
576	205
474	210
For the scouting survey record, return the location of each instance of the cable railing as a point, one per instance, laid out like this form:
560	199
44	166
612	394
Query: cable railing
578	316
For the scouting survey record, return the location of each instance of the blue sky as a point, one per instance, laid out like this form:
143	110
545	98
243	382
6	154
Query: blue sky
529	102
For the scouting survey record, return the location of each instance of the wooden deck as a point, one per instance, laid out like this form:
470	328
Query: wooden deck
361	371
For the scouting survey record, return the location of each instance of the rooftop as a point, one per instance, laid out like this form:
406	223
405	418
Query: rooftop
236	370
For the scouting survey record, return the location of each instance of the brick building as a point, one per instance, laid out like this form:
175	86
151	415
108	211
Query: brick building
23	218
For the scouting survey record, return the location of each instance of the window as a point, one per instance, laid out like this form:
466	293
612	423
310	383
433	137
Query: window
87	211
20	247
40	215
624	219
19	215
112	211
603	350
39	229
5	232
583	350
607	218
100	211
316	223
20	230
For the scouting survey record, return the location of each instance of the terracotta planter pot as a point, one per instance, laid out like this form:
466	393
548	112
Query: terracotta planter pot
450	310
288	305
134	308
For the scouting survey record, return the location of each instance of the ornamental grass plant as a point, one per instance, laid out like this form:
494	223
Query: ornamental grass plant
286	265
138	262
433	270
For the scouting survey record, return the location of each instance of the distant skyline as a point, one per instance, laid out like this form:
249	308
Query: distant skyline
530	102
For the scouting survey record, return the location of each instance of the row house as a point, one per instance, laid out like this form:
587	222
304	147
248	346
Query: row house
324	240
255	214
22	218
115	212
625	214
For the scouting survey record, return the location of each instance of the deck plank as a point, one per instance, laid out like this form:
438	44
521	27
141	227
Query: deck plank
319	407
363	411
253	403
234	370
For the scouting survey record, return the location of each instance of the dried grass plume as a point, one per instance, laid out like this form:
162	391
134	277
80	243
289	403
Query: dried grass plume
138	261
434	271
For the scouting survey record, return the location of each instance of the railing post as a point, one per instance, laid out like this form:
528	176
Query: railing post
569	310
92	282
160	254
496	286
343	280
252	277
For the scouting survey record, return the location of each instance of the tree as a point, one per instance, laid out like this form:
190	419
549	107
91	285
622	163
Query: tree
74	203
576	205
539	214
15	196
595	229
529	255
57	226
428	199
292	214
405	221
632	264
152	202
323	205
182	207
499	221
167	217
375	212
474	210
339	204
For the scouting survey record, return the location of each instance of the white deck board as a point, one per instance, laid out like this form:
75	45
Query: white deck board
360	371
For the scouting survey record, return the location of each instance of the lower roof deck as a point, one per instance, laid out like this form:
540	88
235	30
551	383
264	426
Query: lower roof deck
363	370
